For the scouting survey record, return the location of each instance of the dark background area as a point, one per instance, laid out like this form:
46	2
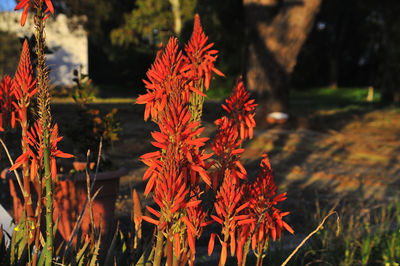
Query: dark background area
352	43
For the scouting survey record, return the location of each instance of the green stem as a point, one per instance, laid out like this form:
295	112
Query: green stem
159	248
49	207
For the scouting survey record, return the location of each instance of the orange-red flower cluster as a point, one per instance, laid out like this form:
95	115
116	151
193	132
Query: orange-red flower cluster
26	4
197	217
172	70
16	94
227	143
241	110
177	138
263	200
227	149
267	219
175	170
230	215
200	59
6	102
244	210
24	83
164	77
35	151
229	204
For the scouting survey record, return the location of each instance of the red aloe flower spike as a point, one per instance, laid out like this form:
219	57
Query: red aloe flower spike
177	132
7	107
169	194
230	213
226	147
164	80
24	87
201	58
24	83
26	4
261	196
241	110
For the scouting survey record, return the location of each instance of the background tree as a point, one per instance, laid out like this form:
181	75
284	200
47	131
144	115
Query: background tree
276	31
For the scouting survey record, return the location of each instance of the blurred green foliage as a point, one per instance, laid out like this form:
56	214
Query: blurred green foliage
151	21
144	23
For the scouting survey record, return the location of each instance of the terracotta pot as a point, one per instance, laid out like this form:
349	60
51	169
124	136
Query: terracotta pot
70	196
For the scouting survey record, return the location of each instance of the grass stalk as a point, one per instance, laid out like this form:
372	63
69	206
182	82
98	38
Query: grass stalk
319	227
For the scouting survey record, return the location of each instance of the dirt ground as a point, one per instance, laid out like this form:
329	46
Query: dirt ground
335	151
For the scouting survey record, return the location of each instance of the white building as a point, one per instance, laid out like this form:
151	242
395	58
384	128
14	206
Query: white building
65	38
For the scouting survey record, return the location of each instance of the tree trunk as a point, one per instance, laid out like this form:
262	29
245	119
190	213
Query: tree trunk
276	31
176	11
